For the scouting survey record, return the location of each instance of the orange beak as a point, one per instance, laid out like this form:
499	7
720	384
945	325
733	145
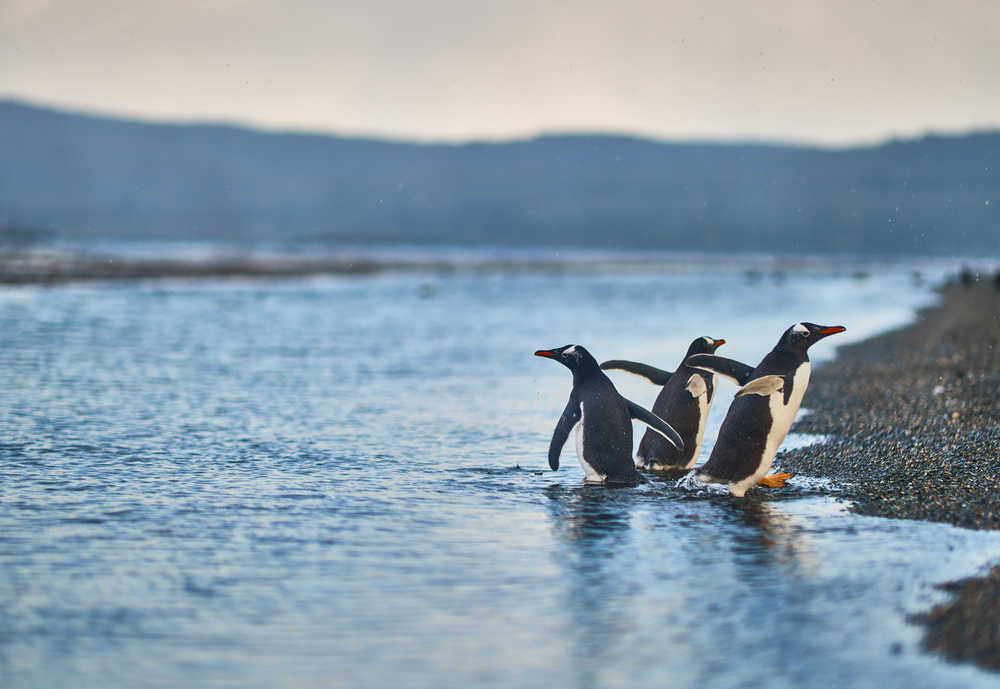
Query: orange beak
545	353
832	330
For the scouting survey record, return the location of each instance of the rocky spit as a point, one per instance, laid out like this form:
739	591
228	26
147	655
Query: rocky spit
914	422
967	628
46	267
35	266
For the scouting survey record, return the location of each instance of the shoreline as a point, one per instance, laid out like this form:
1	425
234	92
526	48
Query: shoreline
913	419
41	265
913	415
53	268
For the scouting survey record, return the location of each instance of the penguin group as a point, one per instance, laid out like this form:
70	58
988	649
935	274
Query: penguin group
757	422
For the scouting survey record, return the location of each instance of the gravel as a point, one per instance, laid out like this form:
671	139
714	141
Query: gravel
914	419
914	415
967	628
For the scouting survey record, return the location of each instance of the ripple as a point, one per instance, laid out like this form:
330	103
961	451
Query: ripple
263	485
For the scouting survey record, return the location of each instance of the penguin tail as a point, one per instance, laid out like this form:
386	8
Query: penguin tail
775	480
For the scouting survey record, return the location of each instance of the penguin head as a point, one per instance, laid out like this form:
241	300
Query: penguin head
802	336
574	357
704	345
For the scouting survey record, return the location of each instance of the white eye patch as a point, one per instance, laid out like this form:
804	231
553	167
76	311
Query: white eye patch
571	351
708	340
800	329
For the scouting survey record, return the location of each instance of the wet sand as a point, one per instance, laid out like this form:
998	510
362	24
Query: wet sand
914	416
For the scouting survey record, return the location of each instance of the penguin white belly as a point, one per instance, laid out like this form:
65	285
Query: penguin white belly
703	405
782	416
591	474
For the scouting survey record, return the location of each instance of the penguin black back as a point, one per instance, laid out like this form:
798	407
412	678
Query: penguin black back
683	402
764	408
602	419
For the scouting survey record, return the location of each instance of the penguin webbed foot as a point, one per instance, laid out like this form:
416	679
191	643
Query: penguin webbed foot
775	480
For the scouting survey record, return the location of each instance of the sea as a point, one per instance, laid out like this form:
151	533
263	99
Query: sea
341	481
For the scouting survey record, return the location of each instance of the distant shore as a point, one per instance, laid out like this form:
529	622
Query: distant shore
914	416
47	267
50	266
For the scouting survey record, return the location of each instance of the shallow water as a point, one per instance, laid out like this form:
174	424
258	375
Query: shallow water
342	482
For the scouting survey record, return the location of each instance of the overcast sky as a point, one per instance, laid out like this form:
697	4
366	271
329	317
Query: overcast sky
835	71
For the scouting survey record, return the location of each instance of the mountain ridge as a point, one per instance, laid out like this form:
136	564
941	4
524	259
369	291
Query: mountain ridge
86	175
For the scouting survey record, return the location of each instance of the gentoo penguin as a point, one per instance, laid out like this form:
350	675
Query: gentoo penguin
683	403
602	418
764	408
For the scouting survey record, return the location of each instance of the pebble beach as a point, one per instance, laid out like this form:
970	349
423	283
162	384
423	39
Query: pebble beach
913	417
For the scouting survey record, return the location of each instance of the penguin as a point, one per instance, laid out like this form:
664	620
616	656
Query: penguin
683	403
763	410
602	419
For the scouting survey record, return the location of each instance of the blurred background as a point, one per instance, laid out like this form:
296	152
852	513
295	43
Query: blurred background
779	127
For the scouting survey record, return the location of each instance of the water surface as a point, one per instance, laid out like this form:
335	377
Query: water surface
342	482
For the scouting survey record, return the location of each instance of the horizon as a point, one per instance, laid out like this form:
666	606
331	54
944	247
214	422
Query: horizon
277	130
131	177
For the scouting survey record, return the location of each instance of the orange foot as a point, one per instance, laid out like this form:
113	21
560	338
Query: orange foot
775	480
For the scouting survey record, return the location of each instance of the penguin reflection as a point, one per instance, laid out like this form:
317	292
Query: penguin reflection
590	519
594	523
773	537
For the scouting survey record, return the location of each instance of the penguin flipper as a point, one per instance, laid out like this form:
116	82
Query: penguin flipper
656	376
570	417
765	386
656	423
730	368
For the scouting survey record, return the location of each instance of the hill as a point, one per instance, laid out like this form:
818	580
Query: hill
87	176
